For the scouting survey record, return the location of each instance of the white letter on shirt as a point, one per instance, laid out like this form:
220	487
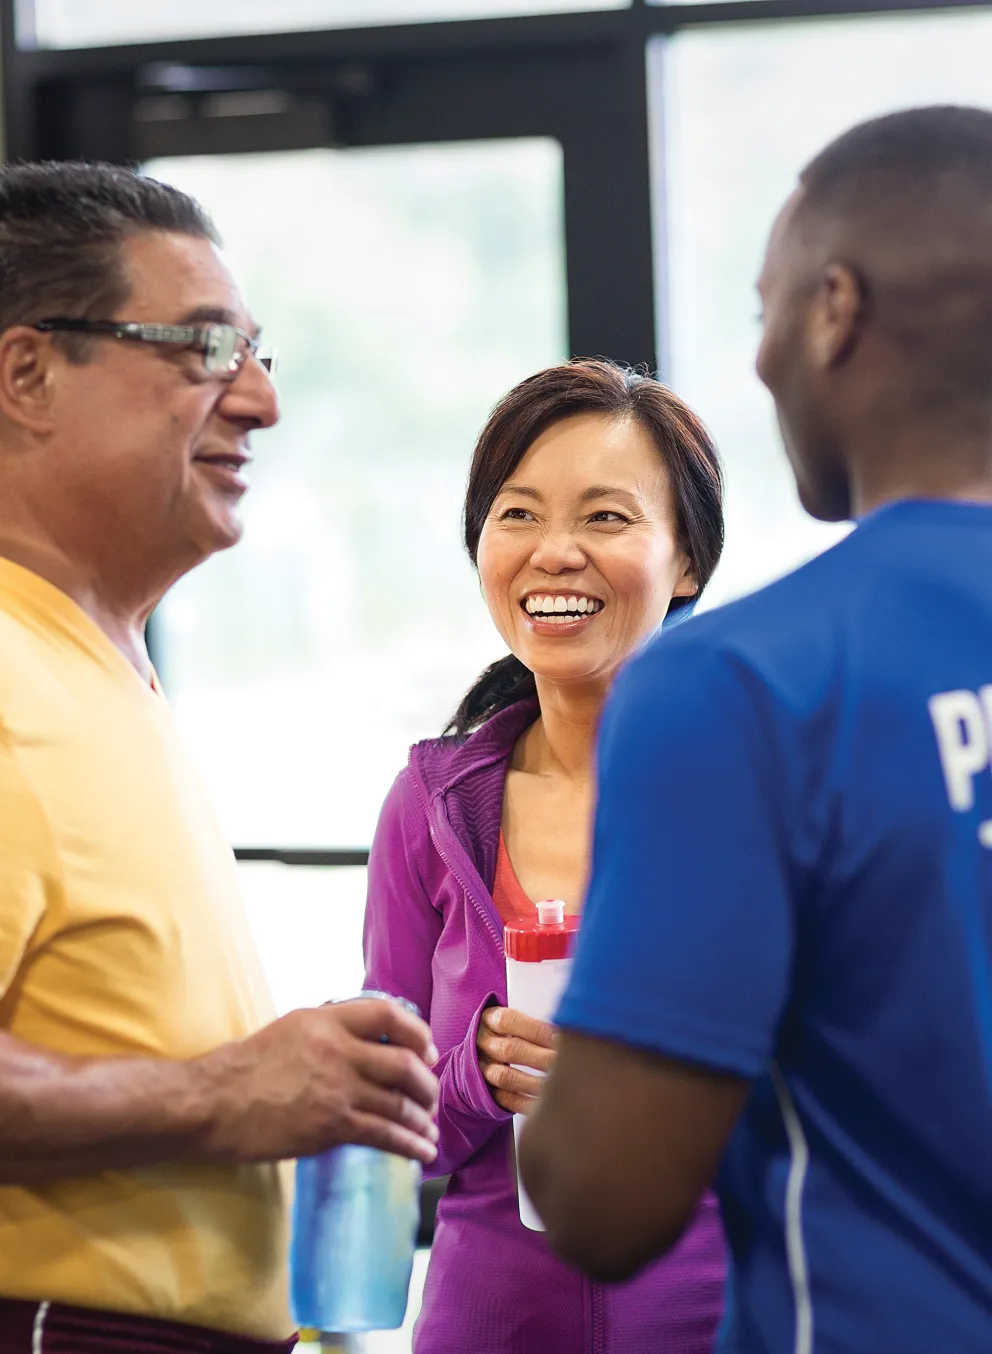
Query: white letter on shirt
985	696
963	742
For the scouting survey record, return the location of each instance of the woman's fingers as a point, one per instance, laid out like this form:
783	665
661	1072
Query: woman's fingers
505	1021
506	1037
513	1102
502	1077
503	1049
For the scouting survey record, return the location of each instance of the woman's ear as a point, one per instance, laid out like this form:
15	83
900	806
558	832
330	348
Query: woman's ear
688	584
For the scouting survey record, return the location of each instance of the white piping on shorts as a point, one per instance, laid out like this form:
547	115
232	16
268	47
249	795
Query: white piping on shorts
38	1329
795	1247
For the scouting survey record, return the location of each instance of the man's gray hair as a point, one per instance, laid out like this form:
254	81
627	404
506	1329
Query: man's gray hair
62	226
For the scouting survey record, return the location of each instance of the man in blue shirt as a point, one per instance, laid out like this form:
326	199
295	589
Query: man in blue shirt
784	976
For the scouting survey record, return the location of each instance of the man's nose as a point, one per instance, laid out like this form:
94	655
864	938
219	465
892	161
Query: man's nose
251	396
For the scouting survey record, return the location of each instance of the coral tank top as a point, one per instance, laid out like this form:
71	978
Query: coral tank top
512	903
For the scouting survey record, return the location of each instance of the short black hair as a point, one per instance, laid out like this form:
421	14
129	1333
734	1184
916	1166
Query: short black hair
917	145
906	200
62	225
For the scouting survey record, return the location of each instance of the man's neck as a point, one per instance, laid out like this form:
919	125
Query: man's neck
923	461
121	620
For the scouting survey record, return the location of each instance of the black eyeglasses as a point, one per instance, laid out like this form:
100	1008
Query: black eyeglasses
224	348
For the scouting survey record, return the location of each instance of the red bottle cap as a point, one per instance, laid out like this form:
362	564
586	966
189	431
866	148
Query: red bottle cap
550	936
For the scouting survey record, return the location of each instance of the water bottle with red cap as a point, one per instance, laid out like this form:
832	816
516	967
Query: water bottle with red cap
538	960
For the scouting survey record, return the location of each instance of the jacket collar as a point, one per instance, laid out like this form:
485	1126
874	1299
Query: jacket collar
443	763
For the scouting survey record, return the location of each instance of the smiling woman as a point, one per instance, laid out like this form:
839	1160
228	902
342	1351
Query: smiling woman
599	520
649	481
594	510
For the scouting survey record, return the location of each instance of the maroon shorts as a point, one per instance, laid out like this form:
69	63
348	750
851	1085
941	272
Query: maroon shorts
50	1328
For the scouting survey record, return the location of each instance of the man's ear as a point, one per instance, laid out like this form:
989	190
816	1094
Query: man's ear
836	315
28	367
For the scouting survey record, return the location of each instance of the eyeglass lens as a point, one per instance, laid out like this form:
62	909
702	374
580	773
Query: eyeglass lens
221	351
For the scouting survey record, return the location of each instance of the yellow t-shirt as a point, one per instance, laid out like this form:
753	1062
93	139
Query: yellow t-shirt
122	932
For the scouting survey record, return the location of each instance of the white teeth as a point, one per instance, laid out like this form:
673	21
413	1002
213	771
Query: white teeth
549	606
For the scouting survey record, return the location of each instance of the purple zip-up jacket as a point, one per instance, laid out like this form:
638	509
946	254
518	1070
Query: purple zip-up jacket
434	936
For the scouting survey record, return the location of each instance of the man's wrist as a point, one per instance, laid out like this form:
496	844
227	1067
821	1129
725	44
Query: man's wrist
215	1104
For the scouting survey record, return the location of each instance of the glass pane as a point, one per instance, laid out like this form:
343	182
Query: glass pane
743	109
405	289
307	924
308	928
95	23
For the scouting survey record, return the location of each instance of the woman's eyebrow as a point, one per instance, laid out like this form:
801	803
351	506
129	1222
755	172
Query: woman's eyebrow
525	490
594	492
608	491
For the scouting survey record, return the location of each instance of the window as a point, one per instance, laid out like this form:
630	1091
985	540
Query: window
307	923
406	290
70	23
407	286
739	111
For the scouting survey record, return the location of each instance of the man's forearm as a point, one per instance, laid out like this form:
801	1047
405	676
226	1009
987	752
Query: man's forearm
63	1116
354	1072
619	1149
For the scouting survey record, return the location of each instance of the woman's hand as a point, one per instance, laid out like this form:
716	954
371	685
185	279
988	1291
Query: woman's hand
506	1037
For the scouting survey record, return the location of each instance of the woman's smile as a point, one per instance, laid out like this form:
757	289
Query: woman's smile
560	613
580	555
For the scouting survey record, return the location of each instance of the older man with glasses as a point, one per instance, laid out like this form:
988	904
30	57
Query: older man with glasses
147	1096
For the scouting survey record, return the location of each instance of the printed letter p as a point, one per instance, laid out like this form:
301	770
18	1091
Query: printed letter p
963	741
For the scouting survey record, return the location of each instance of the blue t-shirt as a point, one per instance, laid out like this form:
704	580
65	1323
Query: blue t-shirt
792	881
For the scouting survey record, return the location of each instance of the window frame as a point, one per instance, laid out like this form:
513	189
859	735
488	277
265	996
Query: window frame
579	77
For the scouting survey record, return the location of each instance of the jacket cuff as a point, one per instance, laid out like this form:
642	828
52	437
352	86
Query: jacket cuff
466	1079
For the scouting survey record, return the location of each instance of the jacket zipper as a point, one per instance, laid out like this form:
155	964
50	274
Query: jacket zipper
598	1319
594	1291
469	892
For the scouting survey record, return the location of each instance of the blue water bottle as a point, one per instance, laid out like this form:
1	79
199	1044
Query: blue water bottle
355	1222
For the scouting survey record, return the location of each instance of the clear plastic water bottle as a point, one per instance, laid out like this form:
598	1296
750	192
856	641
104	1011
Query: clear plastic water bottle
355	1220
538	961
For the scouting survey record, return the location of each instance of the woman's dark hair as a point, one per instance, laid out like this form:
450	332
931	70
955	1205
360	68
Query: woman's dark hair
589	386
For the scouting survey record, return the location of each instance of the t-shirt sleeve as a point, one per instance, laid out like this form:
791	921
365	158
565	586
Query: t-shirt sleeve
686	941
26	866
